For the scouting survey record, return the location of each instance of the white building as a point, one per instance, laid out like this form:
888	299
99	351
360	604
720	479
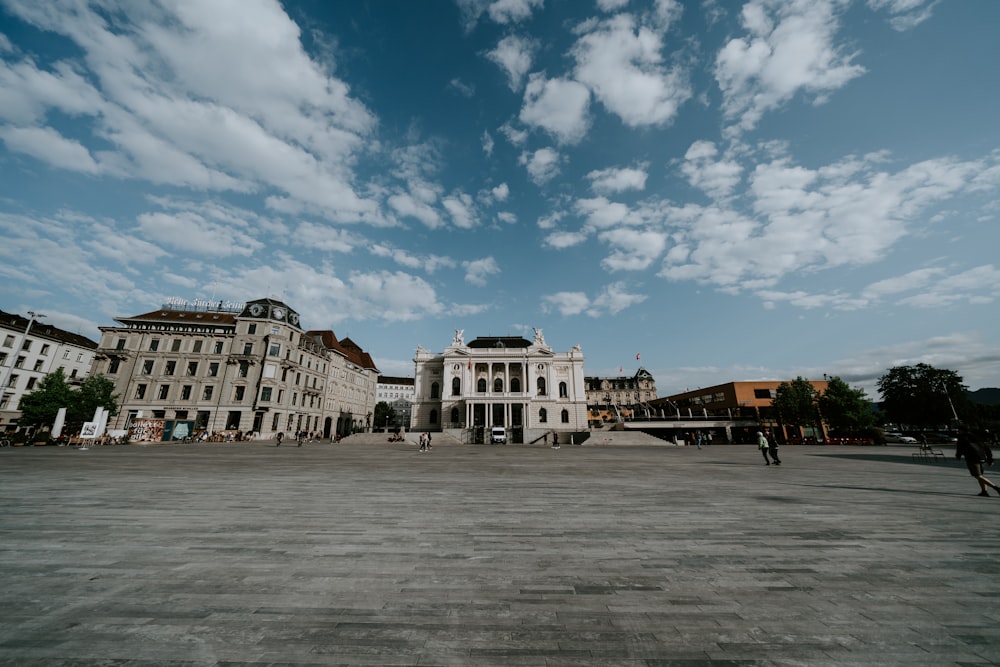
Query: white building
398	392
26	356
507	381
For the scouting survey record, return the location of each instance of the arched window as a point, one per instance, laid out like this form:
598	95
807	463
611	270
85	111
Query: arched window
515	385
565	416
434	416
562	390
481	386
454	415
456	386
435	390
498	385
541	386
543	416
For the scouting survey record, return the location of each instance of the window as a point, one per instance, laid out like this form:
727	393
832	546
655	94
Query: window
456	388
65	354
147	367
275	350
31	384
180	414
454	415
213	369
218	347
113	366
565	416
541	386
164	392
169	368
434	416
543	415
38	365
175	345
252	329
19	363
763	393
435	391
79	357
265	394
13	381
119	345
3	358
515	385
244	369
562	390
186	392
206	393
238	393
233	421
192	368
498	385
154	345
248	348
196	346
8	341
481	386
140	391
26	346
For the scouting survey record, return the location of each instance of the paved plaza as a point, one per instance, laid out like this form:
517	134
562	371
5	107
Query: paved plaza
375	554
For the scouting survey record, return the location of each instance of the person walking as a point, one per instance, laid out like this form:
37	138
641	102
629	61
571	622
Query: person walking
772	449
555	440
279	437
423	442
299	437
976	454
763	446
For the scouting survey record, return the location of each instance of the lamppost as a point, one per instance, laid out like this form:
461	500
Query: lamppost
32	316
944	389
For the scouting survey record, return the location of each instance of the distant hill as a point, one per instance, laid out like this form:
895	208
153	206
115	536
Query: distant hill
987	395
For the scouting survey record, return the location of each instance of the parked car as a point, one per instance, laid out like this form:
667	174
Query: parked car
899	438
498	435
941	438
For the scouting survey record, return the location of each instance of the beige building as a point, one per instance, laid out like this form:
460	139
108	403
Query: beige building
524	386
613	398
235	368
30	349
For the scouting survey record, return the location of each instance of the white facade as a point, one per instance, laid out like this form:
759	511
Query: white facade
524	386
26	359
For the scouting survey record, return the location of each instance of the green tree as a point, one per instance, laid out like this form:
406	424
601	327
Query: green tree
795	403
922	395
385	416
847	411
40	407
95	392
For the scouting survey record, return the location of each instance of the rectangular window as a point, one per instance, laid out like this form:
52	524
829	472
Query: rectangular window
186	392
26	345
31	384
238	393
3	358
196	346
248	348
244	369
164	392
213	369
140	391
13	381
218	347
8	341
119	345
192	368
19	363
265	394
175	345
45	350
275	349
147	366
113	366
169	368
65	354
206	394
79	357
763	393
252	329
154	345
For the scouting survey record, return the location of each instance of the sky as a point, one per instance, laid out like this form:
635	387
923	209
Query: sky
712	190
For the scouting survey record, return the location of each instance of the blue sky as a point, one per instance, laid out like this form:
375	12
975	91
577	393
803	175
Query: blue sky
733	191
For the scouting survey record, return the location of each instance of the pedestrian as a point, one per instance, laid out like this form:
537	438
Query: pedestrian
429	441
763	446
555	440
300	435
279	437
545	438
772	449
423	442
976	454
698	438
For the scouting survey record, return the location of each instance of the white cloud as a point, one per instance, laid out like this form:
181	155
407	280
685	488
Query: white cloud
558	106
717	178
501	192
428	263
600	213
195	234
906	14
560	240
622	64
790	48
514	55
615	180
406	204
611	5
613	299
487	141
512	11
634	249
49	146
477	271
462	210
566	303
542	165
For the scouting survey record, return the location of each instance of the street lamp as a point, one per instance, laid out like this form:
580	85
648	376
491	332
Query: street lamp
32	316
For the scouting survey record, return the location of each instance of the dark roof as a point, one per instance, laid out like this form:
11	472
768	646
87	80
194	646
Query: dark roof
346	348
183	317
499	341
391	379
47	331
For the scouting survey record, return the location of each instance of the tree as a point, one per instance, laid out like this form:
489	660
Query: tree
795	403
922	395
384	415
40	407
95	392
847	411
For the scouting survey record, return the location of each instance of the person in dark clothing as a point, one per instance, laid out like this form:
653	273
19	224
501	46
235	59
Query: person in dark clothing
976	455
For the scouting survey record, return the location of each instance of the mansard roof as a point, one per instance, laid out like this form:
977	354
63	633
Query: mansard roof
182	316
41	329
499	341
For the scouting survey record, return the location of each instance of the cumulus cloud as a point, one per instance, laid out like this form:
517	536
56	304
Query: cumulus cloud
622	63
462	210
558	106
514	55
905	14
790	48
615	180
717	178
542	165
612	299
51	147
633	249
477	271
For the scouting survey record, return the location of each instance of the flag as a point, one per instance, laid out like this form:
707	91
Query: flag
620	369
470	364
637	356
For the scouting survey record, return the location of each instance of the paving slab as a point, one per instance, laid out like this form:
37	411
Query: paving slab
237	554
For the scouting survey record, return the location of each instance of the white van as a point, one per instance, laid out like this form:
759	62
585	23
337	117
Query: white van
498	435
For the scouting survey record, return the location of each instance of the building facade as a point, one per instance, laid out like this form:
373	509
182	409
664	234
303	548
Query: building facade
398	393
28	355
620	397
235	369
506	381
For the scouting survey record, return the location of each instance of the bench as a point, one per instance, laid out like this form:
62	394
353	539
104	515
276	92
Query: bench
925	451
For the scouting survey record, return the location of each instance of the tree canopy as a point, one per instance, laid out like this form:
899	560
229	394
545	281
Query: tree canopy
40	407
795	403
385	415
921	395
846	410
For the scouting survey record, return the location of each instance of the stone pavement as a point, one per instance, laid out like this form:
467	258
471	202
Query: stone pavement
248	554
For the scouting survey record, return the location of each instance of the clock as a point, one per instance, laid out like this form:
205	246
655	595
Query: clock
293	318
256	310
278	313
